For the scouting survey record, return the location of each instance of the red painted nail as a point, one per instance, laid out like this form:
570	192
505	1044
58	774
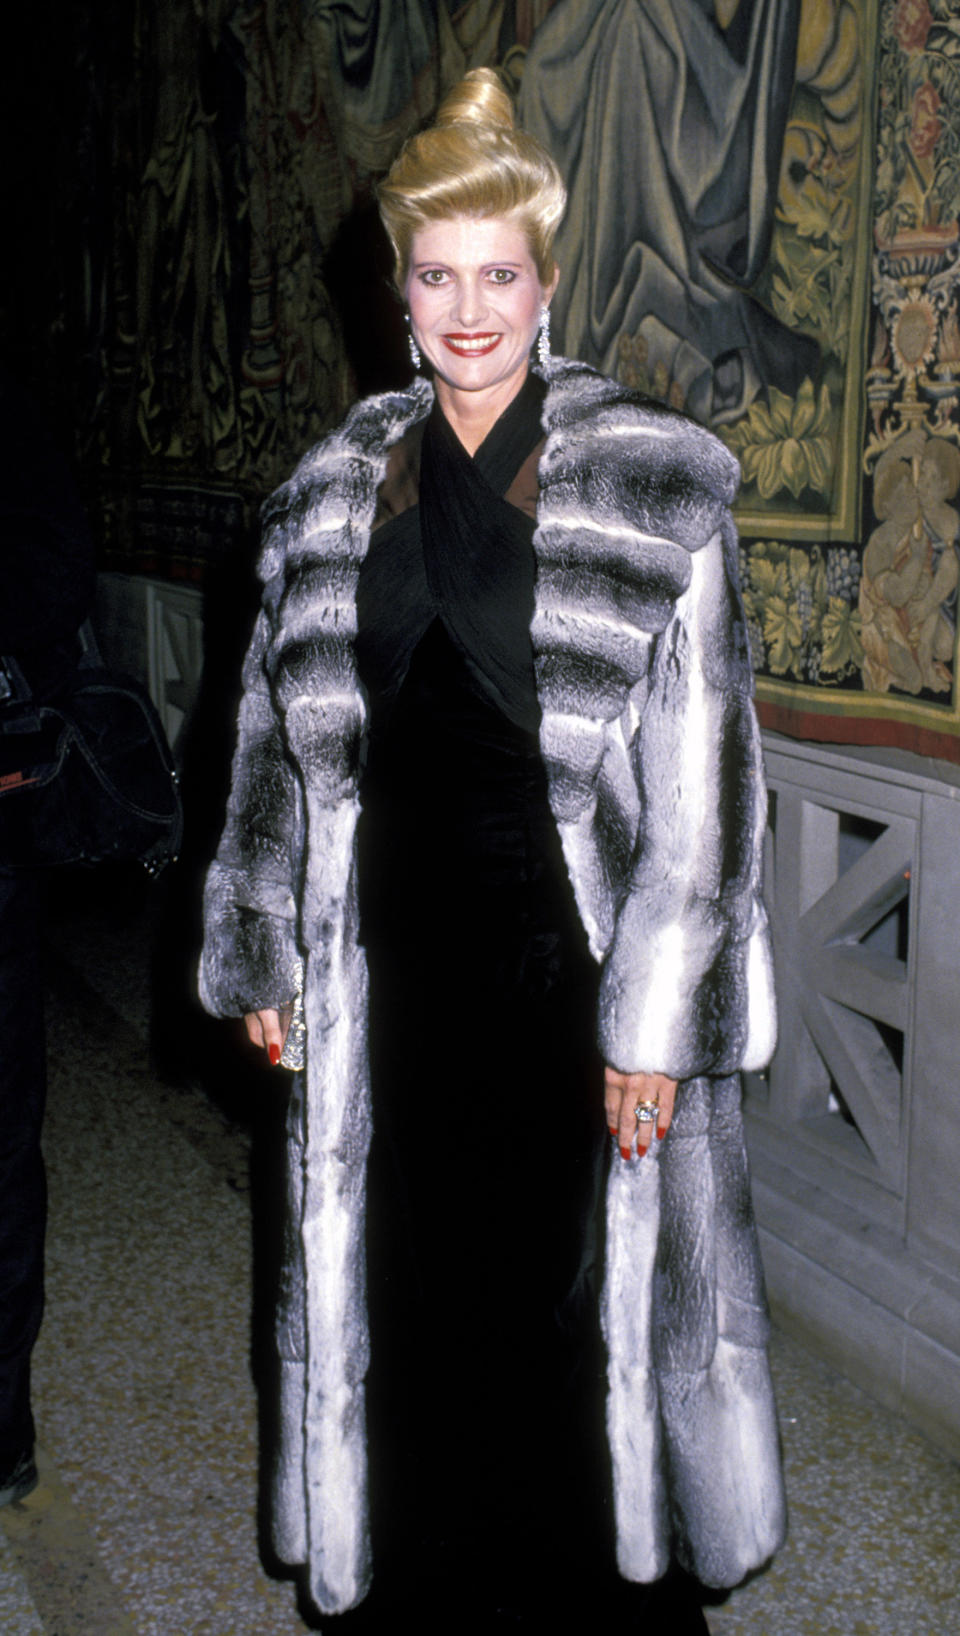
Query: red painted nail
273	1051
661	1132
640	1151
612	1129
624	1153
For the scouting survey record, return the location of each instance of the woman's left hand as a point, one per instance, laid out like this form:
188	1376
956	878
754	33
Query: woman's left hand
622	1093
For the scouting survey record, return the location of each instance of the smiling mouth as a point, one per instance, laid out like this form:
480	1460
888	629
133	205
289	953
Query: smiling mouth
471	346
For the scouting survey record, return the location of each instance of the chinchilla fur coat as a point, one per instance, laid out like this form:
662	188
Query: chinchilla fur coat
655	780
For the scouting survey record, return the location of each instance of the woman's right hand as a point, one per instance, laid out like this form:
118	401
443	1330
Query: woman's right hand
268	1030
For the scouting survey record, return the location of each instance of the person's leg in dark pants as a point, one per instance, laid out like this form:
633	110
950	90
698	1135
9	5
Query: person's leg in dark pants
22	1180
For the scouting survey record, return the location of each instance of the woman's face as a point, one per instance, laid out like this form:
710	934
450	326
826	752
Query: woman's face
474	297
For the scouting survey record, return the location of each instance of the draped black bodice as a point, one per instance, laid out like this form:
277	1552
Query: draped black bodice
457	836
463	555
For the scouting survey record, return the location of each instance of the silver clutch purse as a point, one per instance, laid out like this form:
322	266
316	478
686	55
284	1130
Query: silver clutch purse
294	1053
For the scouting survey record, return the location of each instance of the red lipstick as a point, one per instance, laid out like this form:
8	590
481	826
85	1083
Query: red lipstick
471	346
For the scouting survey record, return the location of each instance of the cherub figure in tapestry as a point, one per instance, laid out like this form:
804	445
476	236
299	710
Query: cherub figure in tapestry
908	589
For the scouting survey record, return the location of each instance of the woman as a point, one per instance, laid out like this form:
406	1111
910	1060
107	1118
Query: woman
500	618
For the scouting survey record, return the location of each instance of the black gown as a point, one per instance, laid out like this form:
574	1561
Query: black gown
490	1489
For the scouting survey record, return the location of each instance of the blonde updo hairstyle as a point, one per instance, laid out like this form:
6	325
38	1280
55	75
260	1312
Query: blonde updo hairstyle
473	161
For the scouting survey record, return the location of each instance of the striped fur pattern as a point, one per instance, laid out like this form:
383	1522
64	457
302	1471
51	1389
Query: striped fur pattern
655	780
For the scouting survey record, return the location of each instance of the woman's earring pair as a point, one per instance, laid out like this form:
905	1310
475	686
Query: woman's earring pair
543	340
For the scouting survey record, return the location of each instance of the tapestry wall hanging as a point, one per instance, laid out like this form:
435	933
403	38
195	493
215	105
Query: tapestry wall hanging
723	262
761	164
873	627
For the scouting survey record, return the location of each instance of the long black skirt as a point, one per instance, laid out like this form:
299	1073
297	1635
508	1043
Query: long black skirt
490	1482
485	1400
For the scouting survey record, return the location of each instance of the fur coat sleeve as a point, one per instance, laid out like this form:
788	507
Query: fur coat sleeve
649	733
251	959
687	984
300	722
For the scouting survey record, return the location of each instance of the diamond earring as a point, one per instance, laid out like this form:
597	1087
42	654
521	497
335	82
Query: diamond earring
415	358
543	339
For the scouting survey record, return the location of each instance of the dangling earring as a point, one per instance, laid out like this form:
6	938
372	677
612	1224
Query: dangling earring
415	358
543	339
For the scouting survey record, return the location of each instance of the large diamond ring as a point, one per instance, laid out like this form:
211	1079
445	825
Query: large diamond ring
646	1112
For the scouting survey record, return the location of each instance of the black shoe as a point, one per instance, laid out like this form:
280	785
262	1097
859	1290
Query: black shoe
20	1481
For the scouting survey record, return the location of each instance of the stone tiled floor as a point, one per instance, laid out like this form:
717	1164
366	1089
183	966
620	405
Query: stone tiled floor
145	1521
